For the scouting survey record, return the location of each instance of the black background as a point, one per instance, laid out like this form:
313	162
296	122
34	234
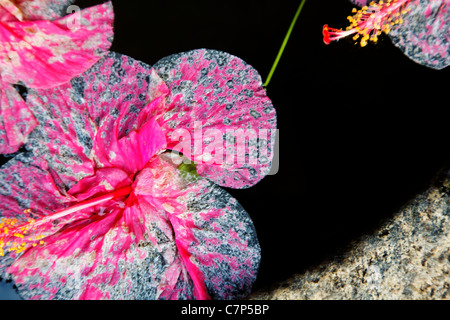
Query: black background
362	130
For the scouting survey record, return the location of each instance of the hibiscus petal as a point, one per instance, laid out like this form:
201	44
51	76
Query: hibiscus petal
217	97
33	9
214	235
131	152
9	11
28	190
16	120
44	54
424	35
71	115
103	181
24	177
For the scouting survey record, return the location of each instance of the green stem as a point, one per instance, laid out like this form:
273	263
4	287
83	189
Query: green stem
286	39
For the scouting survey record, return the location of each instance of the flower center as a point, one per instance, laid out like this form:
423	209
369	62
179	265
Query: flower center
15	236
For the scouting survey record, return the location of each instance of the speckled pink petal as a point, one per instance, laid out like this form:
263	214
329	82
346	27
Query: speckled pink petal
104	257
424	35
103	181
72	114
26	182
16	120
44	54
132	152
11	10
28	190
216	235
360	3
213	95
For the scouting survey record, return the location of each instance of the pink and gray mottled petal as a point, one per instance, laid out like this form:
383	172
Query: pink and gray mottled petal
16	120
226	248
215	236
71	114
45	9
424	35
33	9
26	182
218	94
44	54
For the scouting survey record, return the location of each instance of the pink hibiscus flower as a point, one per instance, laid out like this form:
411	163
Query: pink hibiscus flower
99	208
420	28
41	49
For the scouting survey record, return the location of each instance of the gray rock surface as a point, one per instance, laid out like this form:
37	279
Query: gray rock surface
407	258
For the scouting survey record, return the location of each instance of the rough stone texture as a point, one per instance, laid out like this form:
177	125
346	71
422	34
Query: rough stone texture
407	258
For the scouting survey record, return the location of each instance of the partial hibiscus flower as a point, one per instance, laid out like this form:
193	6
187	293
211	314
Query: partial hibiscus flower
420	28
101	207
41	49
